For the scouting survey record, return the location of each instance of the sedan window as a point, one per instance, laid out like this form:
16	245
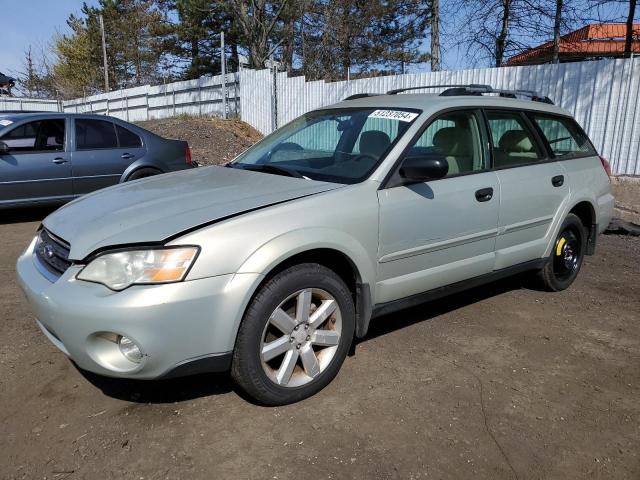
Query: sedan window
127	139
39	136
95	134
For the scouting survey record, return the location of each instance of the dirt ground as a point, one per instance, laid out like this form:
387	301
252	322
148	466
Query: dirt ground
499	382
212	140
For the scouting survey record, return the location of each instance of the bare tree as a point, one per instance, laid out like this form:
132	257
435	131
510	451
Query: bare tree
629	34
501	39
257	20
556	31
435	35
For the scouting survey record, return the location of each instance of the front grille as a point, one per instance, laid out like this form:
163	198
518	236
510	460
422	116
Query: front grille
52	252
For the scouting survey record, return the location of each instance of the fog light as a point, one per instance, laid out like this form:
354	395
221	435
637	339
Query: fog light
130	349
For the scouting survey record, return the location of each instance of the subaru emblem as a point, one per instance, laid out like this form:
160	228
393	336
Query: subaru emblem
48	251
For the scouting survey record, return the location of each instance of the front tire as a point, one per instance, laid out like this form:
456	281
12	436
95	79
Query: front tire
295	335
567	255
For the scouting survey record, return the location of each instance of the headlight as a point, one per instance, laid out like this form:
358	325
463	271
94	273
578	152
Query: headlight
120	270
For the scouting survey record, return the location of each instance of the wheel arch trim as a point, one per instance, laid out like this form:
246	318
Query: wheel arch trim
268	257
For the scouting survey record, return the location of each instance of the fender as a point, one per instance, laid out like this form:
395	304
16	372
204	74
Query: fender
137	165
568	205
279	249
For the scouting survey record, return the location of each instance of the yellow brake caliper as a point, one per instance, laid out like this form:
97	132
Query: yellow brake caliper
561	243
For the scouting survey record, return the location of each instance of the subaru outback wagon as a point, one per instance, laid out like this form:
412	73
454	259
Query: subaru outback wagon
271	265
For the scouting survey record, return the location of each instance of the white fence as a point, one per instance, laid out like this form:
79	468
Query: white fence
202	96
603	96
29	104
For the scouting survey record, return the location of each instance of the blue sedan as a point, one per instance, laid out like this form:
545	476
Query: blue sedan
51	158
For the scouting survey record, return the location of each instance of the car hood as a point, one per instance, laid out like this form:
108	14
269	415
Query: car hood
157	208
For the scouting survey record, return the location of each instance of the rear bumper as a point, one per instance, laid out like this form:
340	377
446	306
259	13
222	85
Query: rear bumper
181	328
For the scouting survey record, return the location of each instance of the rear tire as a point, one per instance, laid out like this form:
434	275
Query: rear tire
143	173
566	257
295	335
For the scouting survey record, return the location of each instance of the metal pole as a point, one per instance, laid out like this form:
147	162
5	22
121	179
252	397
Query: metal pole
274	108
104	56
224	76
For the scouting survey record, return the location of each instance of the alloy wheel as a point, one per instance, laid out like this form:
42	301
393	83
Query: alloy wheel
301	337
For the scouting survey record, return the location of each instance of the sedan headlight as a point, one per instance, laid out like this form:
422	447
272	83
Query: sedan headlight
119	270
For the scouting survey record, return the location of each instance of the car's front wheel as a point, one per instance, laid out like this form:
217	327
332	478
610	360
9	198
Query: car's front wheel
295	335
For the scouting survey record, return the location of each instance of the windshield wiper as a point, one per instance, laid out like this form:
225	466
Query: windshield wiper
269	168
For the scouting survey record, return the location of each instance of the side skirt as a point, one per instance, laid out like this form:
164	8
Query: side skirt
406	302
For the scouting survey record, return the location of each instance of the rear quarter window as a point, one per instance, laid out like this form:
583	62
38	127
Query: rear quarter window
127	138
564	136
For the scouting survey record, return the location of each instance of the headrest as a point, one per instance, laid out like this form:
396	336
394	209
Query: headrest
515	141
374	142
453	141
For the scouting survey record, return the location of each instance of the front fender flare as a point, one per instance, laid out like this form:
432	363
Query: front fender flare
280	249
277	250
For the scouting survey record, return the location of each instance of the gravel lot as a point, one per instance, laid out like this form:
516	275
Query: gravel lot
500	382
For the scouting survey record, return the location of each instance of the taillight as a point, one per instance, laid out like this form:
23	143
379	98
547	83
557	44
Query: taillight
606	166
187	156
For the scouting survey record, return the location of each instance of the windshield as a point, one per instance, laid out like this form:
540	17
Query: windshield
340	145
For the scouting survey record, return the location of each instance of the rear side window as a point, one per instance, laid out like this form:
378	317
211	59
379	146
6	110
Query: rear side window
513	142
564	136
40	136
95	134
127	138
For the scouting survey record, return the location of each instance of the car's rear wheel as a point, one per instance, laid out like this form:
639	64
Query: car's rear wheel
567	255
295	335
143	173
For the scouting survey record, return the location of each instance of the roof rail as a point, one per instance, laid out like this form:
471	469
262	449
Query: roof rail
473	89
360	95
400	90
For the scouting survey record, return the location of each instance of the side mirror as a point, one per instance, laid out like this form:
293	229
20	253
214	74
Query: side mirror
4	148
424	168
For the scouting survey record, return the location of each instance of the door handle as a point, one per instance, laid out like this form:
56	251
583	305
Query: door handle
557	181
126	156
59	160
484	194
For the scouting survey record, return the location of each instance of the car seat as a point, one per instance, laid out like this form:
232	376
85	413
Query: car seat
374	143
456	144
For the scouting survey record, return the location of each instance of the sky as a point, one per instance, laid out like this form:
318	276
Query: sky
34	22
31	22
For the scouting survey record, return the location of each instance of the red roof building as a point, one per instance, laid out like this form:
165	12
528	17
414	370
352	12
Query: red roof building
600	40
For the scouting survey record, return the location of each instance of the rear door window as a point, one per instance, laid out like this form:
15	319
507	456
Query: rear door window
40	136
564	136
127	139
95	134
513	142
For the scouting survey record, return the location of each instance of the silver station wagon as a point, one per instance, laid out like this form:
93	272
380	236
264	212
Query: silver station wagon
271	265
